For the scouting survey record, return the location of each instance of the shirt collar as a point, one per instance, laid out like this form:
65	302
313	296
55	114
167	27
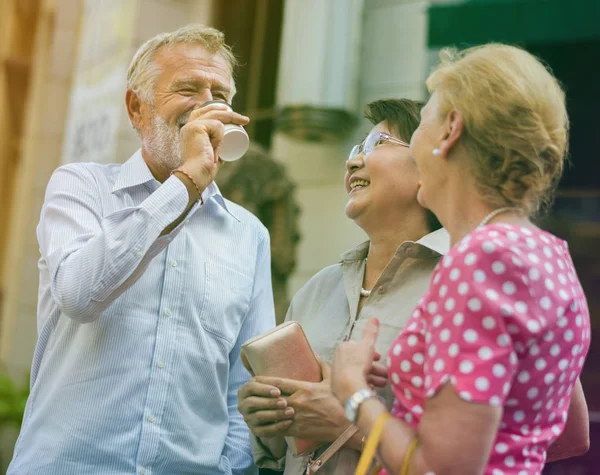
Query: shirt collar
135	172
437	241
213	191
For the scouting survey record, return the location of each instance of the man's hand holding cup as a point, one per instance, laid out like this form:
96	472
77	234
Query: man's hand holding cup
202	141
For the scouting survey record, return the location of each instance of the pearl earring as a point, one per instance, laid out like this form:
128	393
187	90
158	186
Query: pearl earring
437	152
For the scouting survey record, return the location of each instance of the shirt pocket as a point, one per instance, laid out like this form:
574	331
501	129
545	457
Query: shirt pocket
227	295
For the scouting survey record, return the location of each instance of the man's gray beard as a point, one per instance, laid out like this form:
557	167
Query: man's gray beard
164	143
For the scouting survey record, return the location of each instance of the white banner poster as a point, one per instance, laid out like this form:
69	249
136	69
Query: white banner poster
99	82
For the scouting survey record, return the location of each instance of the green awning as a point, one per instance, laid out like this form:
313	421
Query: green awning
513	21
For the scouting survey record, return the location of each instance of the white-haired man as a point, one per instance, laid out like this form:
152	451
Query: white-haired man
149	283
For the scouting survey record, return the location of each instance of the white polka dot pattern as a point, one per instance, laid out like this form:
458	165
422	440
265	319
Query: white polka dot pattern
506	323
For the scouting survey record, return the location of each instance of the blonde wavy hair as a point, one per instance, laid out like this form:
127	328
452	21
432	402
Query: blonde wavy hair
516	126
143	71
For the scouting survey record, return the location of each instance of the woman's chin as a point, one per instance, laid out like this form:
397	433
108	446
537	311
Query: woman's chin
353	209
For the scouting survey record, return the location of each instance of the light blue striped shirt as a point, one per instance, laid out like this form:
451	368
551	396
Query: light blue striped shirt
137	365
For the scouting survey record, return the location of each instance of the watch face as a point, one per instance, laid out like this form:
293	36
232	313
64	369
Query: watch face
354	402
350	409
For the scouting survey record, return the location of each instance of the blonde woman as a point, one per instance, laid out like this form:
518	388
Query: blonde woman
485	369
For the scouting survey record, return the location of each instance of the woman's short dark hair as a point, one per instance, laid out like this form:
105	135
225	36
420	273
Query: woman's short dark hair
402	117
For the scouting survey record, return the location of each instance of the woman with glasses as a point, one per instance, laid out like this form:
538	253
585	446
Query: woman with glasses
384	276
485	370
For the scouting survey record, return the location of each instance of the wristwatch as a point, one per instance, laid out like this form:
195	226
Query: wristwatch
354	402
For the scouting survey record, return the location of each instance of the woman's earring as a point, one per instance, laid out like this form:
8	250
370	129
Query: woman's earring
437	152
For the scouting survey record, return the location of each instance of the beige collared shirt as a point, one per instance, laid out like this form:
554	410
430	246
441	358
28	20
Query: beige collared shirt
327	309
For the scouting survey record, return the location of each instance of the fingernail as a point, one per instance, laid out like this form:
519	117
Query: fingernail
275	392
289	412
282	403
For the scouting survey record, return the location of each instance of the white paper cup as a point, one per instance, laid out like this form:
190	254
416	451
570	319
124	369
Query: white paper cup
235	139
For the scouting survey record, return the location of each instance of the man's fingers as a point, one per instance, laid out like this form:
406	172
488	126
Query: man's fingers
213	129
261	418
207	110
218	112
253	404
271	430
287	386
256	388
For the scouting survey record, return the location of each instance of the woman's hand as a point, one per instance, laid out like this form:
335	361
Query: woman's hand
318	415
353	364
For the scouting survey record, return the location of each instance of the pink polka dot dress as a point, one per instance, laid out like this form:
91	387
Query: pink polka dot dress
505	321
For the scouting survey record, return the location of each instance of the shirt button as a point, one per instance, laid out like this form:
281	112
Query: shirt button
161	364
150	419
409	249
139	254
168	313
187	221
381	289
173	263
142	471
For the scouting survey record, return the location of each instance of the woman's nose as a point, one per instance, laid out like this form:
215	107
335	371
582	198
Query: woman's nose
355	163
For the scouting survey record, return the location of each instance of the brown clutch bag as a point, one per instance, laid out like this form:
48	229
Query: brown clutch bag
284	352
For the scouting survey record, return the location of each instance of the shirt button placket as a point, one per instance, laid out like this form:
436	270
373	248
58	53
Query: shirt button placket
160	377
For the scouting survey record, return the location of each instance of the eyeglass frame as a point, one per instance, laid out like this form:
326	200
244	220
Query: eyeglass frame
382	137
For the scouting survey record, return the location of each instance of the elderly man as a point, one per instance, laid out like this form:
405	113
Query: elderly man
150	281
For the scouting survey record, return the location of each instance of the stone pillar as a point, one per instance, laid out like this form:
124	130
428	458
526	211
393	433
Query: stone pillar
318	100
318	72
394	59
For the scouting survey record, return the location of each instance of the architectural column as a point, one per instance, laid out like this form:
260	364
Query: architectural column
317	96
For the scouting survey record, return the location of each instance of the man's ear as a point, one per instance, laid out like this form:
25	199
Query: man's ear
134	108
453	129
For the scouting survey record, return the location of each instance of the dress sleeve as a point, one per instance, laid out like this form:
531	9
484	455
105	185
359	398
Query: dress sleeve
476	313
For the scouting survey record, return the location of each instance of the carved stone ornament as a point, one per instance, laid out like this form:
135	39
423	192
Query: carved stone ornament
315	124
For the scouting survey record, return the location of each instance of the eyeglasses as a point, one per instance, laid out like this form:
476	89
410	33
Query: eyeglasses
372	141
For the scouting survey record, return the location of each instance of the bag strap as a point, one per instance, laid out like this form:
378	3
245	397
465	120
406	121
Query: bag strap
370	449
315	465
406	463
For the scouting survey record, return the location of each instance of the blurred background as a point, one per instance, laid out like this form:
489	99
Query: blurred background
308	69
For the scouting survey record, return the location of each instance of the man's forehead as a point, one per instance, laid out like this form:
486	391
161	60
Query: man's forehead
191	57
